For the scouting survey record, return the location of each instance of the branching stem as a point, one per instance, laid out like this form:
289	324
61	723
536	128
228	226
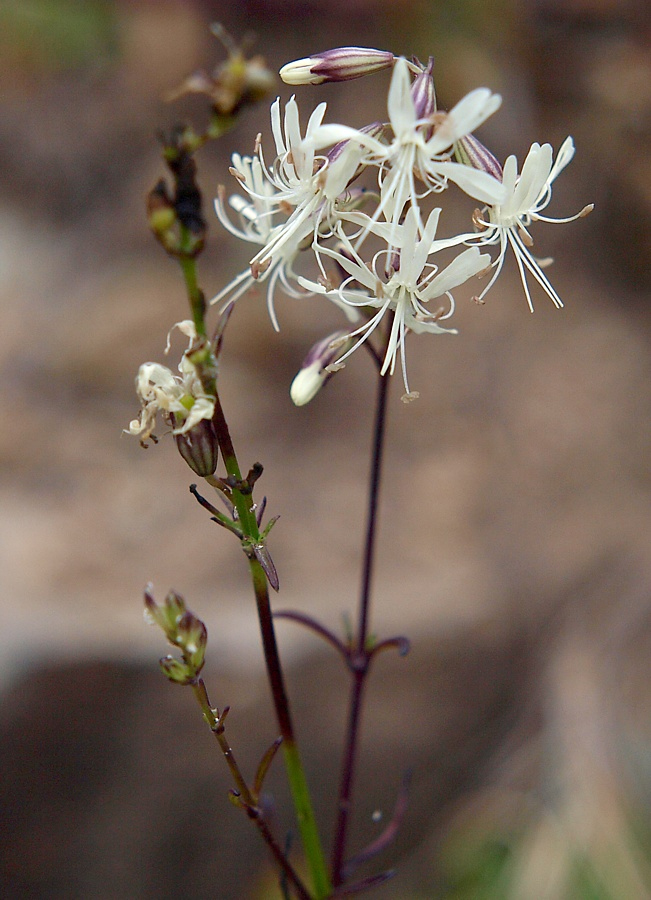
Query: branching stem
243	502
248	801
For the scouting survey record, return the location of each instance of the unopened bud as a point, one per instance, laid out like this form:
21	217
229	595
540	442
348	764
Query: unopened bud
235	83
182	629
341	64
313	374
192	638
166	616
162	217
375	129
199	448
423	93
176	670
471	152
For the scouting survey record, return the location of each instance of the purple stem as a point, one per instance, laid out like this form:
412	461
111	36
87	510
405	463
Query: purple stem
360	656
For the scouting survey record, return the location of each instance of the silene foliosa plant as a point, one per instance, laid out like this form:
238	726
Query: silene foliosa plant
363	209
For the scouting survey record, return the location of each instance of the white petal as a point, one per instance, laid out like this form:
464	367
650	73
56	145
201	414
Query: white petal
292	124
466	116
477	184
277	128
563	157
342	170
463	267
535	172
202	408
316	119
327	135
509	178
402	113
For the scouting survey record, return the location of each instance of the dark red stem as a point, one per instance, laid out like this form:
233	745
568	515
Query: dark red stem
360	656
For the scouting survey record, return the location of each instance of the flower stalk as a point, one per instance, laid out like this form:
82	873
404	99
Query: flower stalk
242	499
312	202
359	660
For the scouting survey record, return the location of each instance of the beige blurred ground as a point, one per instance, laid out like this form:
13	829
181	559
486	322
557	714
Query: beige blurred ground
514	548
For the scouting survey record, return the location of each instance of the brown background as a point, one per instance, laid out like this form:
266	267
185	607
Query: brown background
514	548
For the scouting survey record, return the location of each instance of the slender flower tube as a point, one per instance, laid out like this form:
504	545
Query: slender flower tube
471	152
423	92
341	64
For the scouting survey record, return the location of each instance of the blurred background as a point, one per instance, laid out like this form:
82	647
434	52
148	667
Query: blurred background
515	547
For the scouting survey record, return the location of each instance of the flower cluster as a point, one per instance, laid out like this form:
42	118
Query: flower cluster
376	246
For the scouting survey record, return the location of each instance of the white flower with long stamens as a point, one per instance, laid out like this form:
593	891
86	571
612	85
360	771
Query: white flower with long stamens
525	196
421	148
257	213
307	184
181	399
413	282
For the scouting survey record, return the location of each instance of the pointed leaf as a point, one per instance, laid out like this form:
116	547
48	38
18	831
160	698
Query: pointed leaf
264	765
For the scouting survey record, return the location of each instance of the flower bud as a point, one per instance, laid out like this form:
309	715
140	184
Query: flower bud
162	217
313	375
423	93
166	616
183	630
176	670
341	64
199	448
375	129
192	638
471	152
236	83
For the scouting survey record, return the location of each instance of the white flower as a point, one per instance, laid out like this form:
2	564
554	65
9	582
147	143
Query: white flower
525	196
421	148
180	398
257	214
412	283
304	182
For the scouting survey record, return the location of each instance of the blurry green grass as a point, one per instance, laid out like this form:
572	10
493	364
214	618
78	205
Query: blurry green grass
47	36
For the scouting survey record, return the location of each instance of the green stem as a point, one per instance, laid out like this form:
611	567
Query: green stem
295	772
196	298
243	502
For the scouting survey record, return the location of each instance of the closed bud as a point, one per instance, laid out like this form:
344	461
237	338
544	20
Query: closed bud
314	372
176	670
162	218
471	152
160	209
236	83
375	129
192	638
341	64
199	448
166	616
423	93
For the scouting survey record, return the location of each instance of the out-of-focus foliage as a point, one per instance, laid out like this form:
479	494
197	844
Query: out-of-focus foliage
47	36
